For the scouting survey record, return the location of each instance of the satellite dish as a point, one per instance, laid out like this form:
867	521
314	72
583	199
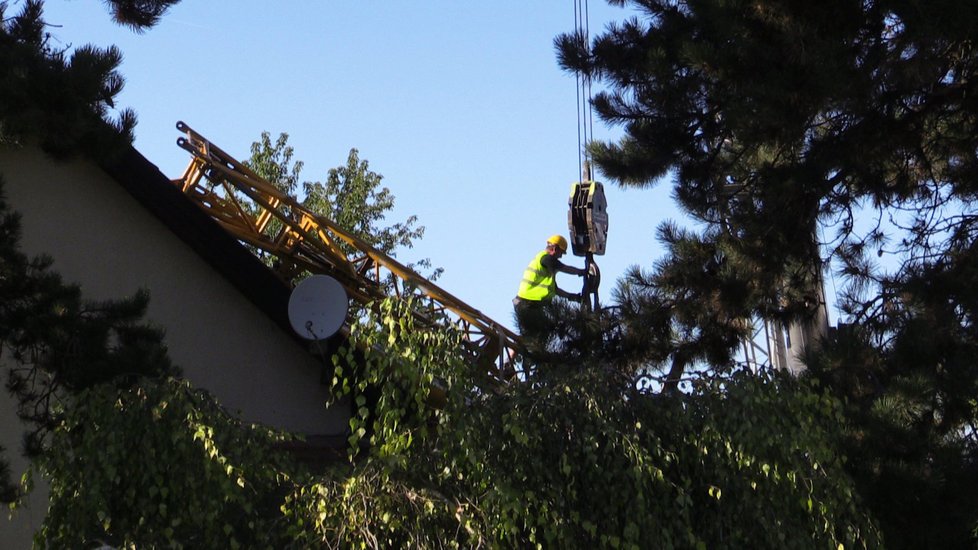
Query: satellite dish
317	307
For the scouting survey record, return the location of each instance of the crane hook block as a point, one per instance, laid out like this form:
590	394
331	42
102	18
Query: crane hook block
587	218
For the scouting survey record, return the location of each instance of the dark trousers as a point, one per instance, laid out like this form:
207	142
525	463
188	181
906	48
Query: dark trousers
533	323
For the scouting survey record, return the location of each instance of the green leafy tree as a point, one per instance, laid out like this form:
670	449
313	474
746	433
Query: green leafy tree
781	122
352	196
579	458
161	465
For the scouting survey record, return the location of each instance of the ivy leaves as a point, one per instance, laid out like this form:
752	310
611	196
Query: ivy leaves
159	465
575	459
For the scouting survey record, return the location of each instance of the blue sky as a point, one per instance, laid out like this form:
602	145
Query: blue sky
459	105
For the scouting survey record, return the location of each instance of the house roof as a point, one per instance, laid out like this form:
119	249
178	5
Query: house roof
154	191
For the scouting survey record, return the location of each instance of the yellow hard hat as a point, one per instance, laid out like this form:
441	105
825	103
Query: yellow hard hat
559	241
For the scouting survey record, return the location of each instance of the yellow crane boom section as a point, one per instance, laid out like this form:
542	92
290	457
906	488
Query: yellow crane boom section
245	205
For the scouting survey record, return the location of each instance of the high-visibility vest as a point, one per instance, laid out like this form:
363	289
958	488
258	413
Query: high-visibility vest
538	282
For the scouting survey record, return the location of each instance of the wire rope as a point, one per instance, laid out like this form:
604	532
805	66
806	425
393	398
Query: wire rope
585	118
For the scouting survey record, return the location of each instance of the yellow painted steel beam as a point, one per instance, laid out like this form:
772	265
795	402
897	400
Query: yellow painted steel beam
245	205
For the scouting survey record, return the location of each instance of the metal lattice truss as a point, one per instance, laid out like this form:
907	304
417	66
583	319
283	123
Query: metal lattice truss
268	219
765	348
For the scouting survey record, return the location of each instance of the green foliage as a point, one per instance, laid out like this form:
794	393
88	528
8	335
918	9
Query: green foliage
805	135
273	162
777	116
60	102
577	458
139	14
910	384
56	344
773	437
59	343
389	369
352	196
584	462
63	102
159	465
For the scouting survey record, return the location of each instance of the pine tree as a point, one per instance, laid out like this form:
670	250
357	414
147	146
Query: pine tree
59	343
784	121
63	101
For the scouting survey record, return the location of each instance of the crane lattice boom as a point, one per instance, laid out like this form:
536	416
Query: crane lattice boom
245	205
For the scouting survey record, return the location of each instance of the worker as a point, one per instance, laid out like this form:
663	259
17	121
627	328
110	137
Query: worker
539	285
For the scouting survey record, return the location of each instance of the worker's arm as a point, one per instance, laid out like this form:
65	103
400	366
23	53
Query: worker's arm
555	265
562	267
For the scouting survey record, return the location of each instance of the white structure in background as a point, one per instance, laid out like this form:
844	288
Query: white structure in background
779	346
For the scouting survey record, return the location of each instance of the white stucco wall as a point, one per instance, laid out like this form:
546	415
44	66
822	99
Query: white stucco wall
102	239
